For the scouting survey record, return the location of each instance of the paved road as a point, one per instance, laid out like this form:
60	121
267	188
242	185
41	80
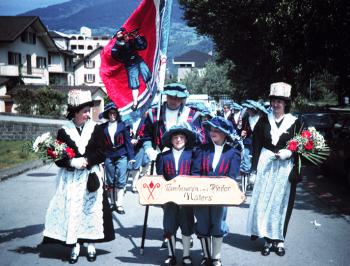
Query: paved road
24	199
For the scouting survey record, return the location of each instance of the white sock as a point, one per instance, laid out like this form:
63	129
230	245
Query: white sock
91	248
76	249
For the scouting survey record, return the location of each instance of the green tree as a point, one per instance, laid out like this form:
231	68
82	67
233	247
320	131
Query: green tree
24	100
213	81
49	102
282	40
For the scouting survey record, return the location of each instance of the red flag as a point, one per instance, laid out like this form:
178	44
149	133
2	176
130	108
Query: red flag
113	72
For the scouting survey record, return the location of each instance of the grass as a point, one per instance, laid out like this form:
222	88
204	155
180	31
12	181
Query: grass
13	152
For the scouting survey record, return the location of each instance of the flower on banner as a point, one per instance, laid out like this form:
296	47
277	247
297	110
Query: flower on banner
309	144
49	148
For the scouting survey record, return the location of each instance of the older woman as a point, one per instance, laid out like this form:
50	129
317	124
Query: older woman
76	213
274	190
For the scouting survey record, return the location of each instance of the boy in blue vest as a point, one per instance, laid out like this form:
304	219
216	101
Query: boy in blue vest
220	157
119	152
177	160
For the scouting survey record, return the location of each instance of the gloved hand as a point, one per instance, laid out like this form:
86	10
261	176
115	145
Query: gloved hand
284	154
78	163
152	154
134	141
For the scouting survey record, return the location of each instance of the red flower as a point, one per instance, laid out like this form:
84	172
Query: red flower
70	152
51	153
309	145
292	145
306	134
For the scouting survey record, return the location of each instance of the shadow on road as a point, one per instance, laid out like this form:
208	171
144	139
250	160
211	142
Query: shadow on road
243	242
41	174
10	234
54	251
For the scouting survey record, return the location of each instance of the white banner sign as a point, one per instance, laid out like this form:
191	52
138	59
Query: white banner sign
189	190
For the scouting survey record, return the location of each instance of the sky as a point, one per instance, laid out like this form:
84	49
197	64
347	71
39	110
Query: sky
14	7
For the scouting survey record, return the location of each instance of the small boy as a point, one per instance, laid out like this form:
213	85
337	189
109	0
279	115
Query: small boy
171	163
218	158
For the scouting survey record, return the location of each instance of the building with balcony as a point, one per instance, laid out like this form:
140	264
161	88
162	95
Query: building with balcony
60	63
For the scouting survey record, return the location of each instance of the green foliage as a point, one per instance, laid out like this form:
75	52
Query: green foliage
13	152
282	40
24	99
50	102
44	101
213	81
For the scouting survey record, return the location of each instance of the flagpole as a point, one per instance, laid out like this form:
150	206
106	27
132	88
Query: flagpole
164	37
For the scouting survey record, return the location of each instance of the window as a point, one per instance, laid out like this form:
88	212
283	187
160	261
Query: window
89	78
80	47
73	38
41	62
49	60
89	47
80	38
89	63
14	58
73	47
28	37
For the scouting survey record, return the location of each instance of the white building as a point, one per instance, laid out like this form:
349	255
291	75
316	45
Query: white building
189	61
86	70
84	43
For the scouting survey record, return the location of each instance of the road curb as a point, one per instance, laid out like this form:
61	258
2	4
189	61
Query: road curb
19	169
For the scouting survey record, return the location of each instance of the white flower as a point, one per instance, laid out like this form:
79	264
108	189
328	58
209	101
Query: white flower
42	139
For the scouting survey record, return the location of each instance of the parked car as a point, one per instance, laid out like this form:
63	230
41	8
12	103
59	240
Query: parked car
334	125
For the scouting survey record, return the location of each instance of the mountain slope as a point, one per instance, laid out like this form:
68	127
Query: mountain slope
105	16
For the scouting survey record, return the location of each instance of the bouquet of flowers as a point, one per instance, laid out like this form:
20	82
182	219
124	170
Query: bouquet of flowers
49	148
309	144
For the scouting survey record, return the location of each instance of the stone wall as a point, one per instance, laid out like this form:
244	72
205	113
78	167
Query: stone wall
24	130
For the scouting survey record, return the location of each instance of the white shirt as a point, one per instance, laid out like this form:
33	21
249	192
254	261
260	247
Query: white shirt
217	154
253	120
112	128
177	154
173	119
227	114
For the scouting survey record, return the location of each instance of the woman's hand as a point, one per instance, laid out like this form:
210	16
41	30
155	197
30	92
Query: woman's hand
283	154
79	163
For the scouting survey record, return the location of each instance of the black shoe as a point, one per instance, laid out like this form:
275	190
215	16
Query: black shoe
91	256
170	260
112	207
265	251
120	210
280	251
164	245
216	262
206	262
253	237
73	258
187	261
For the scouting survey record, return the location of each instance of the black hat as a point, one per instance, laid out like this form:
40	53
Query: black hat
184	129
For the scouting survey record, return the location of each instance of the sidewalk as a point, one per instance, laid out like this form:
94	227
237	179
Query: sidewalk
20	168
